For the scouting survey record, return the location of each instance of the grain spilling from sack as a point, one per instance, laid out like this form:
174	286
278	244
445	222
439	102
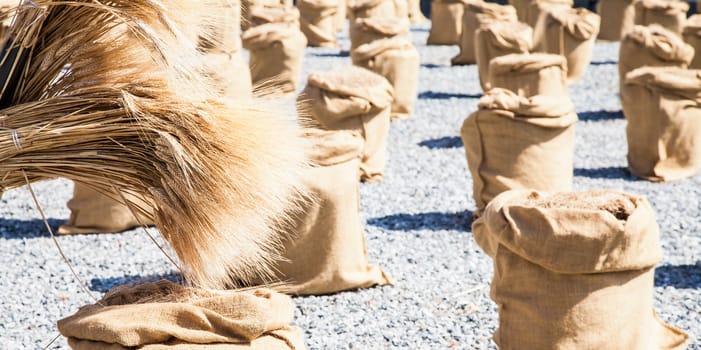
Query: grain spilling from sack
164	315
652	46
514	142
574	271
537	9
617	18
570	33
265	15
325	252
353	98
476	15
373	9
446	22
276	52
669	14
692	36
529	74
663	108
367	30
500	39
397	60
318	21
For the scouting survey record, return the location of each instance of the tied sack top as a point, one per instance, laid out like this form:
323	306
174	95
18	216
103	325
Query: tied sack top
519	63
363	4
383	25
668	81
262	36
541	110
662	43
579	23
492	11
665	6
262	15
333	147
510	35
368	51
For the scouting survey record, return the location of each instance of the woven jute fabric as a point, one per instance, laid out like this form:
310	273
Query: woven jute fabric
318	21
248	7
692	36
476	15
574	271
279	14
446	22
617	18
570	33
414	11
376	9
164	315
353	98
537	9
669	14
341	15
276	52
663	108
529	74
652	46
397	60
513	142
325	252
367	30
94	212
500	39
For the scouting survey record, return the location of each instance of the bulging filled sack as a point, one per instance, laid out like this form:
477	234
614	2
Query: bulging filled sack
476	15
570	33
446	22
652	46
317	21
265	15
375	9
514	142
414	11
397	60
529	74
94	212
325	252
276	52
574	271
499	39
353	98
165	315
617	18
367	30
669	14
537	9
692	36
663	108
248	7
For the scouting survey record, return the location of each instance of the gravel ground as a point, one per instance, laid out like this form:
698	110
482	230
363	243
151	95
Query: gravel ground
418	229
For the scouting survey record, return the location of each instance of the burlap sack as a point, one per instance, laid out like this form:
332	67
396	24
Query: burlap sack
341	14
248	7
318	21
529	74
669	14
692	36
574	271
164	315
446	22
353	98
229	74
476	15
94	212
276	52
537	9
663	108
397	60
514	142
326	250
414	11
265	15
374	9
367	30
499	39
652	46
617	18
570	33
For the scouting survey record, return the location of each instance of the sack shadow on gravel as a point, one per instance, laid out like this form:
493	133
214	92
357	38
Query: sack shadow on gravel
103	285
678	276
600	115
433	221
331	54
603	63
612	172
443	142
435	95
21	229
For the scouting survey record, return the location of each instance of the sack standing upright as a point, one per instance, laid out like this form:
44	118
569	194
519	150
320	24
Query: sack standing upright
500	39
668	14
617	18
367	30
529	74
318	22
375	9
446	22
265	15
476	15
537	9
692	36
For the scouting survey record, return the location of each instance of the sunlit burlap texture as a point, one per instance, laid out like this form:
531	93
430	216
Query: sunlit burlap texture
476	15
570	33
692	36
414	11
276	52
367	30
514	142
446	22
264	15
376	9
248	7
617	18
164	315
397	60
574	271
669	14
94	212
529	74
326	251
353	98
318	21
537	9
652	46
663	108
500	39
